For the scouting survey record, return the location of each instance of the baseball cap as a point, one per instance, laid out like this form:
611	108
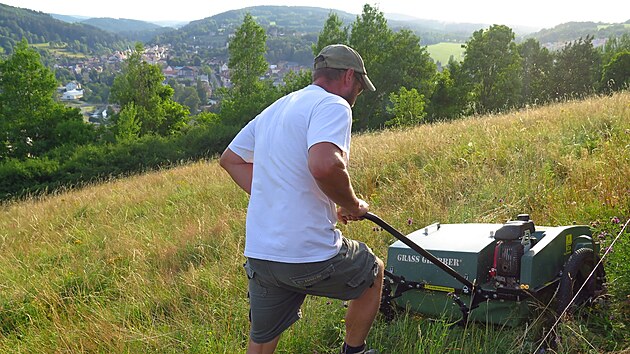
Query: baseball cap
340	56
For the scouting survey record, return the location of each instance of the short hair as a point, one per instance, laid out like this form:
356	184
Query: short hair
329	74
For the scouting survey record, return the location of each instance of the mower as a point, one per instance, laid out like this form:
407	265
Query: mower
492	273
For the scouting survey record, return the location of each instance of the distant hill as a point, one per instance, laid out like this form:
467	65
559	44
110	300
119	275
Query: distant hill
452	27
133	30
291	31
304	19
172	24
38	27
68	18
572	31
298	19
120	25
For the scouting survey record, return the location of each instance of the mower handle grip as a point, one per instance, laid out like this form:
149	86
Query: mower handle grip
414	246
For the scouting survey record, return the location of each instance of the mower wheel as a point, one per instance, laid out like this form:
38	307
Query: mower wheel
576	271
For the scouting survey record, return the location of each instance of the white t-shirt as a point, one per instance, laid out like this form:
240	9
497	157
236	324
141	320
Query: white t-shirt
289	219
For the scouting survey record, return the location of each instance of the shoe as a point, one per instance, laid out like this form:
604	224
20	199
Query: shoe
368	351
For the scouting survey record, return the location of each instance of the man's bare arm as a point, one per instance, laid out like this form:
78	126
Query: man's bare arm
238	169
328	167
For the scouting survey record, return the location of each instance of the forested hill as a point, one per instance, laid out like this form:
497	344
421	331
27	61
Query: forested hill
120	25
571	31
291	31
287	20
133	30
38	27
298	19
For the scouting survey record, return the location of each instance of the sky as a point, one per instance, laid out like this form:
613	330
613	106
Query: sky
535	13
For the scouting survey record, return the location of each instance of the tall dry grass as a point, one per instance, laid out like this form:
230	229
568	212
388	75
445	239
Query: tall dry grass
152	263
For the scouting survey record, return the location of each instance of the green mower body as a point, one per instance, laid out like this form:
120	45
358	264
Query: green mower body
506	269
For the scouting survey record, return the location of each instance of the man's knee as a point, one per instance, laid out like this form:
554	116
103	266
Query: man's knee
375	288
381	267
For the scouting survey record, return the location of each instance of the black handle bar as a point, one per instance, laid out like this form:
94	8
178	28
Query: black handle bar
378	221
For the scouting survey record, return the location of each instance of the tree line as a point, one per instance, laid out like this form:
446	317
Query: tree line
497	74
45	145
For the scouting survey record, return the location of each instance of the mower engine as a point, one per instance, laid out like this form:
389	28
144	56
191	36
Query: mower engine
513	240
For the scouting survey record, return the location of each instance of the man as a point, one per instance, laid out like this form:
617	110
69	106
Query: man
292	160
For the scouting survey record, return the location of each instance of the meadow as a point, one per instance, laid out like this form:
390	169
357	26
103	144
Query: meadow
153	262
442	52
58	51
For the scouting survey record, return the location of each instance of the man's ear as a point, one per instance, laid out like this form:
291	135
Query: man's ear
348	76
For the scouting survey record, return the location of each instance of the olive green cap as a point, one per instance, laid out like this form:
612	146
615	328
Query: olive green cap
340	56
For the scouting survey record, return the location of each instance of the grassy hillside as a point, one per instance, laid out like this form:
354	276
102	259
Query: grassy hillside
152	263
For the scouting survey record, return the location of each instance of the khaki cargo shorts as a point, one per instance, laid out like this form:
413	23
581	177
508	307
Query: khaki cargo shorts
277	290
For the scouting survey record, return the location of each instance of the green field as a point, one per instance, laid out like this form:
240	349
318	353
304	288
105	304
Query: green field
153	262
442	52
58	51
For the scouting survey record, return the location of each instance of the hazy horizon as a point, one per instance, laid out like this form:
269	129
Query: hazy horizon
536	13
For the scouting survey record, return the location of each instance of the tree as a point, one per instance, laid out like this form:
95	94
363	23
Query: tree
615	45
294	81
577	69
191	99
408	108
31	121
372	38
449	97
409	65
140	84
247	61
202	93
237	109
249	95
333	33
128	124
616	74
493	65
392	60
537	66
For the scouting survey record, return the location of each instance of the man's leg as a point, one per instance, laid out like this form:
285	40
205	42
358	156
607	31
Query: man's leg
272	308
262	348
363	310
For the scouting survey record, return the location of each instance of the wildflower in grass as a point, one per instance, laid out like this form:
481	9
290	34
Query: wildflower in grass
602	235
615	220
409	221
